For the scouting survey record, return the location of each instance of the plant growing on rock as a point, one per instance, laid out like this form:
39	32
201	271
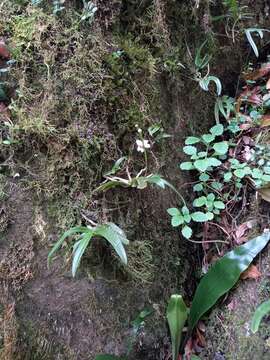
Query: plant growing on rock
111	232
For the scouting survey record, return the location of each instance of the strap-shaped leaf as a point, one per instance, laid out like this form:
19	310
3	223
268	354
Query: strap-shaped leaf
58	244
223	275
260	312
79	249
177	313
116	237
248	33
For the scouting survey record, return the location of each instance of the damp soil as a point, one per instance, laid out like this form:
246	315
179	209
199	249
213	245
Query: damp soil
44	312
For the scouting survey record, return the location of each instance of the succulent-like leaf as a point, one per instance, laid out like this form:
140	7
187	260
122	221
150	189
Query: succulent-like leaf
177	313
223	275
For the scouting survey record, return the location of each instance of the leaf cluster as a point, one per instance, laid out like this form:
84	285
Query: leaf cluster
111	232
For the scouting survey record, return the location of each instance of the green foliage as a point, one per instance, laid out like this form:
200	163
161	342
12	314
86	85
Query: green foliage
249	32
181	217
225	106
262	310
233	7
205	81
201	61
111	232
177	313
89	10
219	279
223	275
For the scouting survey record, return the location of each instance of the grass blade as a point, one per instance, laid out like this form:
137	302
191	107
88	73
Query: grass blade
79	249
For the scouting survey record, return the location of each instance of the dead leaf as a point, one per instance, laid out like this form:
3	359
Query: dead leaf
265	120
189	349
251	273
200	338
239	234
265	193
4	53
258	73
232	305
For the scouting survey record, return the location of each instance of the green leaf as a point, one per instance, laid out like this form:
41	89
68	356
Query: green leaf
210	215
173	212
186	165
204	83
266	178
177	220
79	249
211	197
219	205
199	216
159	181
187	232
201	164
260	312
192	140
187	218
208	138
185	210
216	185
190	150
223	275
115	236
198	187
202	154
116	166
109	185
213	162
177	313
221	147
266	169
70	232
257	173
227	176
240	173
200	201
248	33
217	130
204	177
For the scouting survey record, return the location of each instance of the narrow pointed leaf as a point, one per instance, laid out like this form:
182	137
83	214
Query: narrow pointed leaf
78	251
116	237
260	312
177	313
223	275
58	244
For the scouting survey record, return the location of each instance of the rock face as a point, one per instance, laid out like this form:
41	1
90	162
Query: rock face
81	88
